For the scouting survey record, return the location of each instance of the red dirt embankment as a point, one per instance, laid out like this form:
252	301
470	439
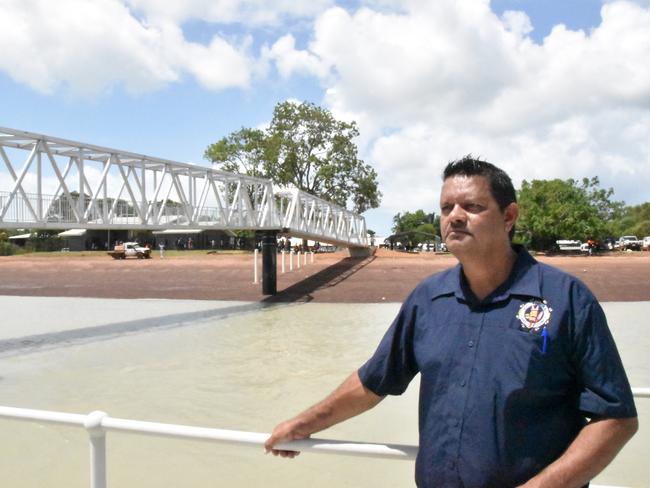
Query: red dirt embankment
387	276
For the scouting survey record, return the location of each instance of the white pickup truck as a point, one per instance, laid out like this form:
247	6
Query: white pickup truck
629	242
130	249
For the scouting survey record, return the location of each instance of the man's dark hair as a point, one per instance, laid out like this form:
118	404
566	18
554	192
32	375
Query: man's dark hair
500	183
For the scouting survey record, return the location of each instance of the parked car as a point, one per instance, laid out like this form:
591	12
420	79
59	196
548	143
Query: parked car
569	245
629	242
646	243
609	244
130	249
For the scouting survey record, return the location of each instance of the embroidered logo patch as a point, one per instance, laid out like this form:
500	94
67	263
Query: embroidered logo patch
534	315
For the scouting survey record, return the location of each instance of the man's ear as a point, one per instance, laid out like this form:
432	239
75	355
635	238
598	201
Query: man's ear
510	216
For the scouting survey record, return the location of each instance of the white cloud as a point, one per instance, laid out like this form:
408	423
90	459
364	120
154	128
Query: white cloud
90	46
517	22
288	60
427	81
251	12
447	78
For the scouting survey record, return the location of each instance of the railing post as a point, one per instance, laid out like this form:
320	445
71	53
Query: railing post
255	253
93	425
312	257
298	260
291	252
282	260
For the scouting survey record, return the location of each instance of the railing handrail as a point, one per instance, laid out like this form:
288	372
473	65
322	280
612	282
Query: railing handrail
98	423
641	392
107	424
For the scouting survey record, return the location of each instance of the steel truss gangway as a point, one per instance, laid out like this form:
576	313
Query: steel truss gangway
67	184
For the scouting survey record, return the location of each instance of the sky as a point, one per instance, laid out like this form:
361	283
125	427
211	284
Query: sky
543	89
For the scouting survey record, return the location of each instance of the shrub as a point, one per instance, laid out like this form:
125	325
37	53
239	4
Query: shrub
44	241
8	249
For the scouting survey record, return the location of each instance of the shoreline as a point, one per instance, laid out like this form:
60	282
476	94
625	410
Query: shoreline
388	276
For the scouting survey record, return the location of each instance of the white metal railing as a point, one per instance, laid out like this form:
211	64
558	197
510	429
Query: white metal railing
98	423
63	183
310	217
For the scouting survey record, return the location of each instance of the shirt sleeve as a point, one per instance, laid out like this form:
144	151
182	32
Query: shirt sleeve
604	387
393	365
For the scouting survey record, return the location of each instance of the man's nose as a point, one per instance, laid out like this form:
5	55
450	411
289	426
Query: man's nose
457	214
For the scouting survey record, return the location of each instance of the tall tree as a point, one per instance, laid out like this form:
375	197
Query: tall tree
243	151
304	146
564	209
633	220
416	227
409	221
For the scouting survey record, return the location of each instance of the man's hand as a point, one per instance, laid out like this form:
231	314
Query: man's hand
285	432
349	399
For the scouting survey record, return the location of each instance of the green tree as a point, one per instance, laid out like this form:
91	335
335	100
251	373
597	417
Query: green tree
243	151
633	220
409	221
304	146
564	209
416	227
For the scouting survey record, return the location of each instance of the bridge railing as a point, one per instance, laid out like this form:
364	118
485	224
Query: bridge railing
98	423
314	218
83	185
54	183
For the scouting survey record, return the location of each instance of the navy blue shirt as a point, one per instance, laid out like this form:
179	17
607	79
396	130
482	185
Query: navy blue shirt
506	383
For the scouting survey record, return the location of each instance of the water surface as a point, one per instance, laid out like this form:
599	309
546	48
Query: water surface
233	366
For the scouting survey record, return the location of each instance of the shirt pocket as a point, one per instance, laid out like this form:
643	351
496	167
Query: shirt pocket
523	365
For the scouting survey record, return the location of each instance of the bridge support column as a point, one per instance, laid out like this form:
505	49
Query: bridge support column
361	252
269	263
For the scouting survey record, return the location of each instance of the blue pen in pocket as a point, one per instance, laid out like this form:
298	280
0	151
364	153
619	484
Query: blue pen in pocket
545	337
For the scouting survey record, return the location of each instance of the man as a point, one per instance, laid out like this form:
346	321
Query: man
521	383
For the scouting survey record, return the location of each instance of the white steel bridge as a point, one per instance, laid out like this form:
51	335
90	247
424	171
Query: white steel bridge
48	182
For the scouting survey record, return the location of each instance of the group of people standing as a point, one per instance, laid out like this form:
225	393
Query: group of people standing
284	244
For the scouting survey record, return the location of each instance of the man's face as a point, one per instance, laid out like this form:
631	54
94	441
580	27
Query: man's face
470	218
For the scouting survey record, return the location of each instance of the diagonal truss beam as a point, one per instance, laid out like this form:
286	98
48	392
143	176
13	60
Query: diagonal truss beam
195	197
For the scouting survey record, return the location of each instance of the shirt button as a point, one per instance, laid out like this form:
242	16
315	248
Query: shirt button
470	343
462	382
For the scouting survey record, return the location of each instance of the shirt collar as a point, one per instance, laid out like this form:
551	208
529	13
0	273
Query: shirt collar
523	280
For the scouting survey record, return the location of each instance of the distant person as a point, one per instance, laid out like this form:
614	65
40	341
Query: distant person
591	245
521	383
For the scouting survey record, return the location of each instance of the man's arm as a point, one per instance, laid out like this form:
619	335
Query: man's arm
349	399
592	450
